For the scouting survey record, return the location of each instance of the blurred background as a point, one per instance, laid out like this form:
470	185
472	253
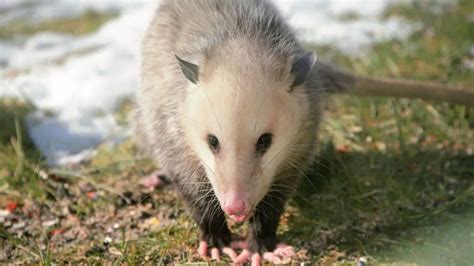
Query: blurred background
394	182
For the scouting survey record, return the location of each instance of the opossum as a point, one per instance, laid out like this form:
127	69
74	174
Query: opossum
229	108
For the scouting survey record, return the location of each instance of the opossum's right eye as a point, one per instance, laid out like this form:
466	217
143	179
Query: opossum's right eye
264	142
213	143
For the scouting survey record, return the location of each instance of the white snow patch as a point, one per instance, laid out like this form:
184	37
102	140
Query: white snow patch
35	11
320	22
82	92
82	80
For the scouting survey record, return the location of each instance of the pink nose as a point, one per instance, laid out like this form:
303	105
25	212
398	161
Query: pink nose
235	208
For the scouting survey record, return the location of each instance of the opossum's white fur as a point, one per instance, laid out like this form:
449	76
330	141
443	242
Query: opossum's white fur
240	100
245	53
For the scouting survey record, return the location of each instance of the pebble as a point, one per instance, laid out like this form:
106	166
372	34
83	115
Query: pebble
107	240
50	223
4	213
115	251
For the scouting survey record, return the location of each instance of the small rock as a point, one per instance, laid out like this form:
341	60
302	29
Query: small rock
4	213
107	240
114	251
50	223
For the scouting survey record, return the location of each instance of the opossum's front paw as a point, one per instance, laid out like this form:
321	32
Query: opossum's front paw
216	243
282	254
204	250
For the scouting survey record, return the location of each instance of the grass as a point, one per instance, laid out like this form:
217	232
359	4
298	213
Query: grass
393	181
88	22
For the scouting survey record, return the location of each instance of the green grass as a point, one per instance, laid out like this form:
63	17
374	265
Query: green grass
86	23
393	181
17	152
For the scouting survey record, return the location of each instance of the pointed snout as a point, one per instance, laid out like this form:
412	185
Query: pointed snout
236	208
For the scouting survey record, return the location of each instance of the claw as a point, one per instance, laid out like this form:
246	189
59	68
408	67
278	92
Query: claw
202	249
215	254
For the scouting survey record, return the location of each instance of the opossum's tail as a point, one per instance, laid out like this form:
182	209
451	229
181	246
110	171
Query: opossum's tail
338	81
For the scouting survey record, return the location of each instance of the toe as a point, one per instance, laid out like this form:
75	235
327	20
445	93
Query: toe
243	257
202	249
215	254
230	252
256	260
271	257
284	251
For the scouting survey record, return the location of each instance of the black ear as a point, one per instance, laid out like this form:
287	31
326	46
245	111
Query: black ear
301	68
190	71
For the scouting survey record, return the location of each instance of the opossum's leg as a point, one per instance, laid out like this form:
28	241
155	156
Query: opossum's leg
156	179
263	224
262	241
215	236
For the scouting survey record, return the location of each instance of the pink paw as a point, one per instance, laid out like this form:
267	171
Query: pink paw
281	255
215	253
154	180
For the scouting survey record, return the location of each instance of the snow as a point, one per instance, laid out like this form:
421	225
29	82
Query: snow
38	10
77	83
80	80
320	22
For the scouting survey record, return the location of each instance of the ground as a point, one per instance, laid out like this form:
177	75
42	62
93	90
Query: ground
393	183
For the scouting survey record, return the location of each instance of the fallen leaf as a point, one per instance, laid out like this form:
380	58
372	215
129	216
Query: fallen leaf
91	194
58	231
11	206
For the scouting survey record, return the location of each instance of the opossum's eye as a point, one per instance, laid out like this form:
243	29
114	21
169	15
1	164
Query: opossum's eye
213	143
264	143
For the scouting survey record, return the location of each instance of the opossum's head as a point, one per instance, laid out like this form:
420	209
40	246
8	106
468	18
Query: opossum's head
241	119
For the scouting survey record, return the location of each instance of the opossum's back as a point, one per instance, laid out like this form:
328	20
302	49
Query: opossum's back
187	27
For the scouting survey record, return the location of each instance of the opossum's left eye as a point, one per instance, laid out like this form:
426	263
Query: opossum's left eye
264	143
213	143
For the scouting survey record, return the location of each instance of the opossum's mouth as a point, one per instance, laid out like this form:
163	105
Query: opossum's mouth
241	217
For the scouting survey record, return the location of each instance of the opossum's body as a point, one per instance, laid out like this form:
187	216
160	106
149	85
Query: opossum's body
248	78
247	45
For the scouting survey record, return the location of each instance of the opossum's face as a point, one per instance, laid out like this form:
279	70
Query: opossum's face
242	129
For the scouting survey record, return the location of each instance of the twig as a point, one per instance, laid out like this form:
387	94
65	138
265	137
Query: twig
29	251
